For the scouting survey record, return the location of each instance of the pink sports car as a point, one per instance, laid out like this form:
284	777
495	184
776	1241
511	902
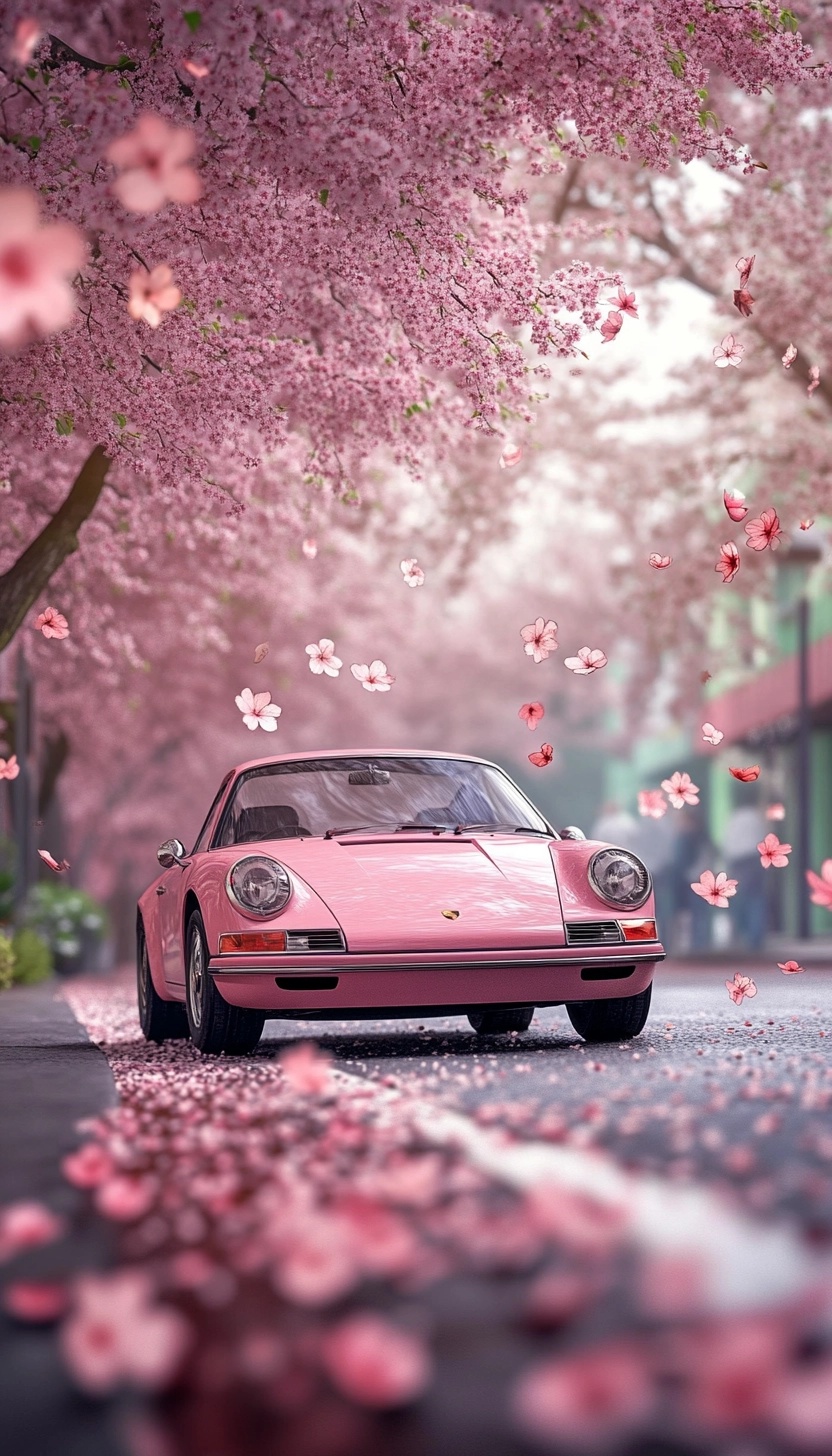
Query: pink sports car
355	885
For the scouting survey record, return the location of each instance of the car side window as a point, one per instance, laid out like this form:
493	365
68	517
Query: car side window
203	836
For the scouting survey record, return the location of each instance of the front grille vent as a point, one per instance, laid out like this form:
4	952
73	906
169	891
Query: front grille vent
593	932
322	941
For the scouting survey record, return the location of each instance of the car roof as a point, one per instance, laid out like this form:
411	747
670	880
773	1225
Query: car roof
359	753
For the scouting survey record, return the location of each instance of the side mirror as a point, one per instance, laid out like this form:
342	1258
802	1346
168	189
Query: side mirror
571	832
170	853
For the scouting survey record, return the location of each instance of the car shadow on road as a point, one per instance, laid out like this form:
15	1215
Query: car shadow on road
412	1042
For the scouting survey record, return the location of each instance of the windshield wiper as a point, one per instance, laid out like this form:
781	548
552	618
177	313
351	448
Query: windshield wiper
361	829
512	829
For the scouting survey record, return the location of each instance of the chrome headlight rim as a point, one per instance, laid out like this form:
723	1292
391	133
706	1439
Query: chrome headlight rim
630	903
284	880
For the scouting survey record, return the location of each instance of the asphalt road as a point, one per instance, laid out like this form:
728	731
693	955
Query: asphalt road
736	1095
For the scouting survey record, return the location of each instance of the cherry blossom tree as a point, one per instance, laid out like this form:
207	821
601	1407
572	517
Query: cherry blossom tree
302	238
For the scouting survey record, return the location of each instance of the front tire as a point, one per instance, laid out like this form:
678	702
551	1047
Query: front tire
615	1020
160	1020
215	1026
493	1023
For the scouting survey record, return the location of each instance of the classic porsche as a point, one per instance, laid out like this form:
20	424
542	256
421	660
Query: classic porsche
389	884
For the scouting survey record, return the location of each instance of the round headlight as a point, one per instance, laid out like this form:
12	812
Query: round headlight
619	877
258	885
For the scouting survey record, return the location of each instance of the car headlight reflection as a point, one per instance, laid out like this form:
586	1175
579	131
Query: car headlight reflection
619	877
258	885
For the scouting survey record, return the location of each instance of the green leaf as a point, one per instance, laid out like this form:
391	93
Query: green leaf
621	139
121	421
789	20
676	60
193	20
65	424
411	410
323	196
34	143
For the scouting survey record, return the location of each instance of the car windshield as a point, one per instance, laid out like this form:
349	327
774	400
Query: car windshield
310	797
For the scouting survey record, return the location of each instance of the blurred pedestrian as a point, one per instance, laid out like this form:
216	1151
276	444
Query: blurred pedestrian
694	853
745	829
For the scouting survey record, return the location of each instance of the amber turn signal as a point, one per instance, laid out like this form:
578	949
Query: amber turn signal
638	929
247	941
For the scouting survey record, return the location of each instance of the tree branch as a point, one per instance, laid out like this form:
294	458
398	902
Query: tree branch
25	580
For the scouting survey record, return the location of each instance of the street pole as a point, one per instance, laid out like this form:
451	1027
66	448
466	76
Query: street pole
804	803
22	787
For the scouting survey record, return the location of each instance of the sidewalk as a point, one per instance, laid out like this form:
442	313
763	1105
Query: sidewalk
50	1076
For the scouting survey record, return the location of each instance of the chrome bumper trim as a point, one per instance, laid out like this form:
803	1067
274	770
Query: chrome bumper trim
281	963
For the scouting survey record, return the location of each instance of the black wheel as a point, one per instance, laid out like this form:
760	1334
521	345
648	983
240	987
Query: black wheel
160	1020
613	1020
492	1023
214	1025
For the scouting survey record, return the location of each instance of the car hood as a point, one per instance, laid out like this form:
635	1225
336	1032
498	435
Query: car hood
390	893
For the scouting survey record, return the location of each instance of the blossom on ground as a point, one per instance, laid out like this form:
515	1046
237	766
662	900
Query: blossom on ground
764	531
611	326
589	659
306	1068
652	803
9	767
711	734
790	968
746	775
152	162
258	710
734	502
322	657
116	1334
58	865
729	561
261	651
740	986
36	261
309	547
715	888
729	351
659	562
36	1301
776	811
543	757
152	294
539	638
412	572
531	713
375	1363
789	356
587	1401
680	790
28	33
375	677
772	852
511	455
88	1166
814	380
625	302
26	1225
821	885
52	624
125	1197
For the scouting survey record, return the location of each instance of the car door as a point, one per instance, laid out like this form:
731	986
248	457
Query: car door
172	889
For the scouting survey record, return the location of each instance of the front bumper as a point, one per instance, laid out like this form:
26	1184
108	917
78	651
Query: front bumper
393	981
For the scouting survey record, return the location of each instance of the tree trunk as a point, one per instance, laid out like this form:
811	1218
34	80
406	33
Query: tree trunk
24	581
